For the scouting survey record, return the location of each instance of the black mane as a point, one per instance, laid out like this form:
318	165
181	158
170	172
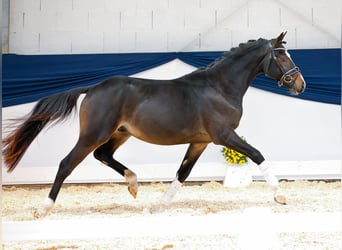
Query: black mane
236	52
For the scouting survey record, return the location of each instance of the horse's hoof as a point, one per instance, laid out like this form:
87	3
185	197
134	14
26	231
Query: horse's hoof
281	199
36	214
47	207
133	191
44	212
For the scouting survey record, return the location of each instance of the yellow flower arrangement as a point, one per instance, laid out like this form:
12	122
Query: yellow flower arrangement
233	156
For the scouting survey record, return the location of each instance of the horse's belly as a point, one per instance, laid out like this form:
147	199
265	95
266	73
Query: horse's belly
164	136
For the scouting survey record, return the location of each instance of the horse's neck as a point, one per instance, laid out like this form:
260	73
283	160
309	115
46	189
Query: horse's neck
234	77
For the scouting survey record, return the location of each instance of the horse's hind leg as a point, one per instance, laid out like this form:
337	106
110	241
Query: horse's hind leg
105	152
193	153
67	165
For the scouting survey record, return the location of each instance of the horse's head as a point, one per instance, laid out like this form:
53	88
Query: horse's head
279	66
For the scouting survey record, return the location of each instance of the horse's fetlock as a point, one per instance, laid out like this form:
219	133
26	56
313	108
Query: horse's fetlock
131	178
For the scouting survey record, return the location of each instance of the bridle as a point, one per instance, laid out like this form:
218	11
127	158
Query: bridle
287	78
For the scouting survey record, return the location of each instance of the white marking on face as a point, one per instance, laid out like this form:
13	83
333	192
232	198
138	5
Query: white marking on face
287	54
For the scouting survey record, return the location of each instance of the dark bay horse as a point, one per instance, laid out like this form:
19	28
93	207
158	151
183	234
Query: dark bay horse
199	108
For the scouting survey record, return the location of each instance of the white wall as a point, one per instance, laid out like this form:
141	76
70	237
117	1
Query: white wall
111	26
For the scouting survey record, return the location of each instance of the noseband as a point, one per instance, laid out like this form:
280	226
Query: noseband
287	78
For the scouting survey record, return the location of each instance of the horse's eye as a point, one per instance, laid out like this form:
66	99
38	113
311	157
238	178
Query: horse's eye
281	52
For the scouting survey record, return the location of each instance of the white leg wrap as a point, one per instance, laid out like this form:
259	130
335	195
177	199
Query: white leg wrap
47	207
269	176
171	191
274	183
278	192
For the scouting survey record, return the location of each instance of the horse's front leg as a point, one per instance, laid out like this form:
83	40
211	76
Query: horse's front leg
232	140
272	180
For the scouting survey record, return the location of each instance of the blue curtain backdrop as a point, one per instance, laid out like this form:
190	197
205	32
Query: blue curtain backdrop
27	78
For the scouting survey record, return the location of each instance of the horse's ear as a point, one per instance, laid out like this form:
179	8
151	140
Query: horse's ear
278	41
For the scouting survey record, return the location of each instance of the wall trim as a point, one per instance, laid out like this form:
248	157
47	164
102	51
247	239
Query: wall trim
215	171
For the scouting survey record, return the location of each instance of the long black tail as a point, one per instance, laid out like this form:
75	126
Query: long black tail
53	108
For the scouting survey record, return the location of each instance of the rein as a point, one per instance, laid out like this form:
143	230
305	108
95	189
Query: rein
287	77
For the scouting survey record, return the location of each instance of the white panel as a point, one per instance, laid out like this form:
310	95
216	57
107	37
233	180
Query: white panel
168	20
40	21
72	21
111	42
127	41
220	40
311	24
152	4
89	5
24	42
153	41
84	42
235	19
269	14
115	5
136	20
111	21
182	40
55	42
285	128
238	4
188	4
31	21
96	21
216	4
328	18
296	13
25	5
201	19
16	22
303	41
56	5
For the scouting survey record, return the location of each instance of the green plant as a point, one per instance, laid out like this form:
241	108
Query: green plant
233	156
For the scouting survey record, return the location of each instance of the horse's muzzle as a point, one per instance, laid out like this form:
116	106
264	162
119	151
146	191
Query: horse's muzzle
294	80
299	88
299	84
